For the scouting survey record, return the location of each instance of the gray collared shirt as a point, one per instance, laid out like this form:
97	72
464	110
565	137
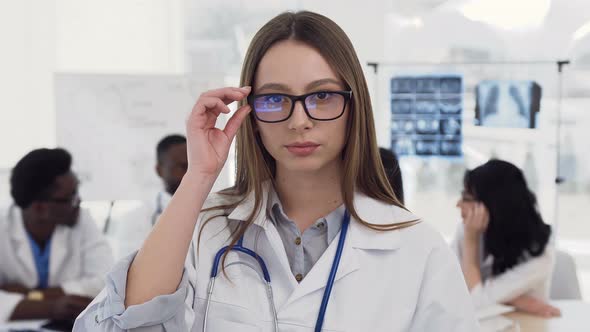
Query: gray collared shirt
304	249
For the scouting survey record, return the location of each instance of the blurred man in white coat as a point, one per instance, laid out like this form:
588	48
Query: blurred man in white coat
128	230
53	258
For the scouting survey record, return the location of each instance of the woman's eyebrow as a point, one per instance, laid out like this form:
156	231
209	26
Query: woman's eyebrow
274	86
285	88
321	82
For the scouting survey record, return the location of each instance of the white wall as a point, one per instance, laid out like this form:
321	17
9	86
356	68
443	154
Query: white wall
27	61
40	38
112	36
109	36
363	22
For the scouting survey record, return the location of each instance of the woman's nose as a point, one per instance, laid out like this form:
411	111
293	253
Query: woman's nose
299	119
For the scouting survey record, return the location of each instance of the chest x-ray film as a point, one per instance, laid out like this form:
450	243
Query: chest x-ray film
426	115
509	104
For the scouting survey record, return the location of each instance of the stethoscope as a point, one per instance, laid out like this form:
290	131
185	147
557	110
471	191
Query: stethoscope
159	209
266	276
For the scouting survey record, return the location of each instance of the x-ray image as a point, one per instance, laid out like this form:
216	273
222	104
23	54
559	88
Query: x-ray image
450	148
426	115
511	104
427	126
402	105
451	85
427	84
451	105
427	148
426	105
403	85
403	146
403	126
450	126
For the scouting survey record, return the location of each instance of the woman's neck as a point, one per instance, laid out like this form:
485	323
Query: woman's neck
306	196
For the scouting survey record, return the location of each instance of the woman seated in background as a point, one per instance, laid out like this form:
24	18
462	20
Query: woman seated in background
393	172
503	244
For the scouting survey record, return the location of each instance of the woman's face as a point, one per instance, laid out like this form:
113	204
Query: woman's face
466	203
300	144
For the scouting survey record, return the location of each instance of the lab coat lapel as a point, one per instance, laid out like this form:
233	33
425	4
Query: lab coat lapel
359	238
317	277
243	210
22	247
60	248
241	213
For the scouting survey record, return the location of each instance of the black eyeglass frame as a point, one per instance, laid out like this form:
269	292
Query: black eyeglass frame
346	94
73	201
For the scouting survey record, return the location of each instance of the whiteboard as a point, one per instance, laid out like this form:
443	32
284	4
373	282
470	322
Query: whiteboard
112	123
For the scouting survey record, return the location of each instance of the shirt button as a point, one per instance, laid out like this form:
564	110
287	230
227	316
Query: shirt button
321	225
299	277
298	240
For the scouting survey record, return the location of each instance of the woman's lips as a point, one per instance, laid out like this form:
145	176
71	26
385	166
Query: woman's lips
302	149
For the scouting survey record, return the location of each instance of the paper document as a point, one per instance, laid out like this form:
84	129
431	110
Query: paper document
491	319
493	310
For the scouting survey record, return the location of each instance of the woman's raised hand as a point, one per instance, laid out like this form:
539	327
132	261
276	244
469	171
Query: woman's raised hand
208	146
157	267
477	219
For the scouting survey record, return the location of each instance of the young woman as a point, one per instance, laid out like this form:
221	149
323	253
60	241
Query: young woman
311	213
503	243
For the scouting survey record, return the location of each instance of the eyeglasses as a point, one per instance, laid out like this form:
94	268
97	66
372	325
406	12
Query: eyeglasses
72	201
320	105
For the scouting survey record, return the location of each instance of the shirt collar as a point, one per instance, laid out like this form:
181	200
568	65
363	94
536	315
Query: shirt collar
369	209
37	251
273	200
243	210
332	222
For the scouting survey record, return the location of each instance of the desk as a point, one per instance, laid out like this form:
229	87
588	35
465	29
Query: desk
22	325
575	317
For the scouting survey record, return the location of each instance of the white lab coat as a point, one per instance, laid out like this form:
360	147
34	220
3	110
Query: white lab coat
79	260
405	280
532	277
128	230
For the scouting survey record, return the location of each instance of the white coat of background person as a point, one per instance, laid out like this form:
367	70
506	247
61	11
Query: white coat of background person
503	244
53	258
307	159
128	230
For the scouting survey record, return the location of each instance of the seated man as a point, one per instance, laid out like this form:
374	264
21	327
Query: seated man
129	230
53	258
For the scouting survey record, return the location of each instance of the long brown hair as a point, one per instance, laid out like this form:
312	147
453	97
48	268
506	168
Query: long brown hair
363	170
